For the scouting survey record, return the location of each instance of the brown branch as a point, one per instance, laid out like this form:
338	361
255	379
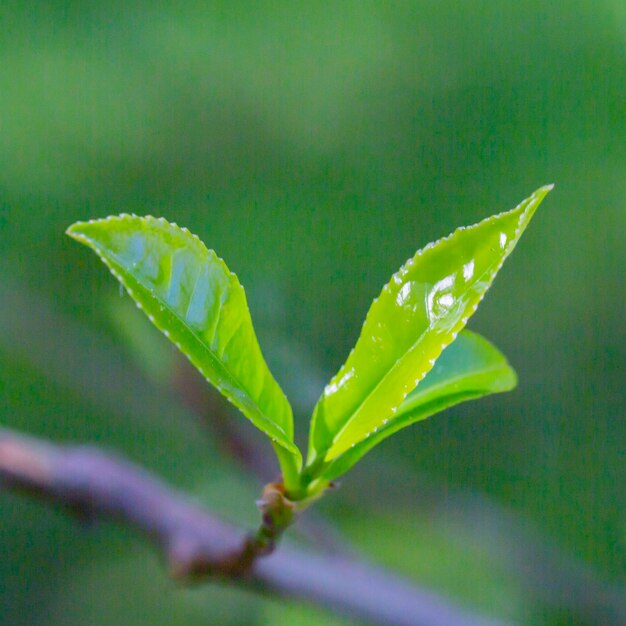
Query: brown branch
196	544
93	484
238	443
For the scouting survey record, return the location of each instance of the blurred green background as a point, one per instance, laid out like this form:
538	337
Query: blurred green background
316	146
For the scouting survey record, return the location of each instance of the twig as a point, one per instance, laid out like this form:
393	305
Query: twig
196	544
90	483
237	444
76	358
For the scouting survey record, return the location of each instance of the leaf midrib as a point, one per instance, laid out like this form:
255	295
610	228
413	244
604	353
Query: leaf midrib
522	219
213	357
353	415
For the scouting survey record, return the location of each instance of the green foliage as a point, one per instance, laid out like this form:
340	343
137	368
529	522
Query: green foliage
188	292
468	369
418	313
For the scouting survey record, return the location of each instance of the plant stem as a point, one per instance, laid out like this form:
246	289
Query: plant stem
289	469
278	513
197	545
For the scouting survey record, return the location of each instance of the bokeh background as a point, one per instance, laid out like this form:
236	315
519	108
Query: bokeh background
316	146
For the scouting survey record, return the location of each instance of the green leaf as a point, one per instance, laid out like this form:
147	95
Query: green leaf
188	293
469	368
418	313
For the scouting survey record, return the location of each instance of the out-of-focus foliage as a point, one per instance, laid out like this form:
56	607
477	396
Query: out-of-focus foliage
316	144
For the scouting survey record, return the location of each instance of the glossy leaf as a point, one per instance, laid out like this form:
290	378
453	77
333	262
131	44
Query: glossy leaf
188	293
471	367
418	313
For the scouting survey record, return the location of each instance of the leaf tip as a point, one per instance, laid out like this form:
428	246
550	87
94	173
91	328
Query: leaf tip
78	230
526	209
542	192
86	231
73	229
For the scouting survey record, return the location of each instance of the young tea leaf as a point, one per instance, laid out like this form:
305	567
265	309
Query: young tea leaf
187	291
418	313
469	368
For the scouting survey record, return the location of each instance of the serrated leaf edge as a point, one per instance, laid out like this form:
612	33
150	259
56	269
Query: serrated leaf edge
95	247
531	202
